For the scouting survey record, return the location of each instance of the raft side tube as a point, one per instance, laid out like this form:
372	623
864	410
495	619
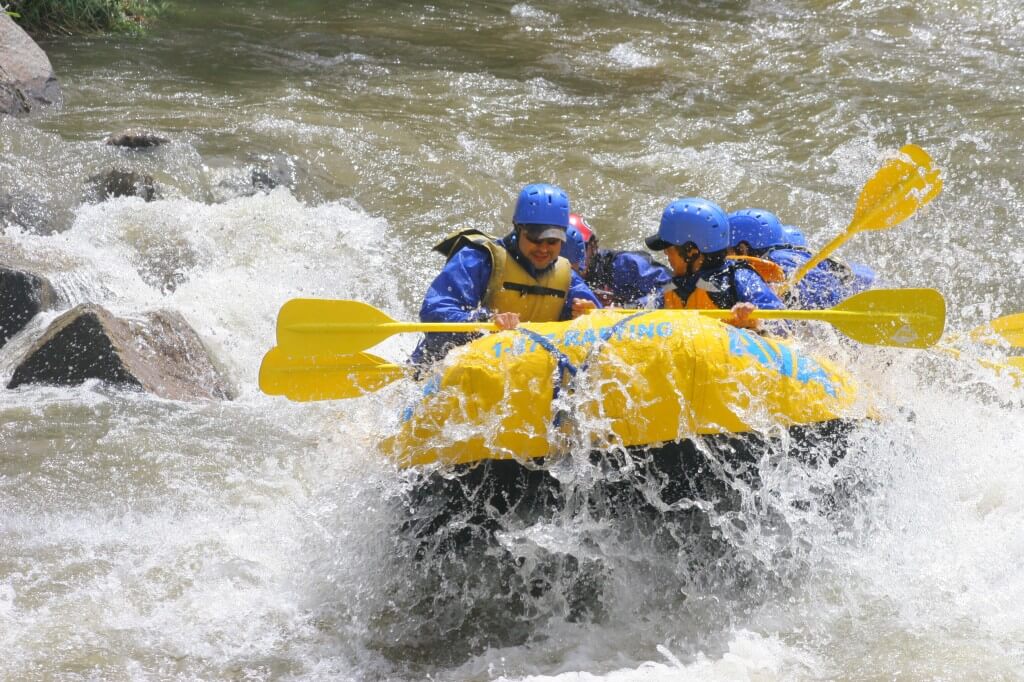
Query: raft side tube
647	378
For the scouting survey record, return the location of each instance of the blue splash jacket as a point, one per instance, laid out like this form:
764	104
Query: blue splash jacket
456	295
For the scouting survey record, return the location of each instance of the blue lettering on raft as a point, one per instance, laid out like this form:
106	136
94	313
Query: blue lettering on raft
432	386
586	337
785	361
640	331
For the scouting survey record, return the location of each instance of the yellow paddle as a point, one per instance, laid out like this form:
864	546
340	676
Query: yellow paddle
912	318
320	341
319	326
909	318
1008	328
900	187
325	377
1015	365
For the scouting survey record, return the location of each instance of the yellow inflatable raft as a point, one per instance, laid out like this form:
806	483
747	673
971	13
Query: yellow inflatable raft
644	379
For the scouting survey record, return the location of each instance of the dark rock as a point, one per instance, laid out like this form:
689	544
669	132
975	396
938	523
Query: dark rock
122	183
272	172
262	180
12	100
22	296
160	354
262	174
136	139
26	76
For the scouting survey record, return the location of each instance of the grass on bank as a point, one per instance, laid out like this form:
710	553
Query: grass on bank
41	17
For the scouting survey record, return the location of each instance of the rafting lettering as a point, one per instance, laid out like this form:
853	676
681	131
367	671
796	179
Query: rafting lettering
783	359
584	337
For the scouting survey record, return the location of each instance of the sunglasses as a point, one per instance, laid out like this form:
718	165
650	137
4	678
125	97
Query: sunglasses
550	241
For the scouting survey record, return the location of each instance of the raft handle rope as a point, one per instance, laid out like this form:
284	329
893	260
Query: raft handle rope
565	365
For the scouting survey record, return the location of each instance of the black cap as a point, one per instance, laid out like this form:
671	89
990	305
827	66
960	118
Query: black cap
655	243
546	231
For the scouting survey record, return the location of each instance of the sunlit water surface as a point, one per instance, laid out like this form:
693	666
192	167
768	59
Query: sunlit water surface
262	539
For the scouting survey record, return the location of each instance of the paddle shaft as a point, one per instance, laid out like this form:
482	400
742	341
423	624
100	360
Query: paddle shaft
315	327
911	318
853	228
819	315
833	316
388	328
827	251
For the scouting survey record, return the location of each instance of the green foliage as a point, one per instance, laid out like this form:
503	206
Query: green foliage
83	16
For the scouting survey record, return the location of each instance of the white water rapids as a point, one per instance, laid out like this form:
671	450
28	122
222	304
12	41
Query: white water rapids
261	539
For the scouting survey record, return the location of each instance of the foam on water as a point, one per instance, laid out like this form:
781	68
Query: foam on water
264	539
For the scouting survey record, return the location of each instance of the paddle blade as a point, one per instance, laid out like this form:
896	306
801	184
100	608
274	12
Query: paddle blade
326	377
324	327
911	318
1009	328
1014	367
901	186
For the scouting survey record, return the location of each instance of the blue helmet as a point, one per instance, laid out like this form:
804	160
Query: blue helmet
792	236
692	220
542	204
757	227
574	248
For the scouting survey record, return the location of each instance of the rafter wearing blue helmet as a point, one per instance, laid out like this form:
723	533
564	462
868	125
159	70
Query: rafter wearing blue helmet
628	279
793	236
752	231
574	248
695	233
517	278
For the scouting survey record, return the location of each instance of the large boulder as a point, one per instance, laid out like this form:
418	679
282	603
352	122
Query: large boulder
160	354
26	76
22	295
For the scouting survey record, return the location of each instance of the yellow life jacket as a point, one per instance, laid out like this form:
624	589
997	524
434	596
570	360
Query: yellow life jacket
511	289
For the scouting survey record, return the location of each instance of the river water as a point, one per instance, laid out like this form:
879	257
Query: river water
257	539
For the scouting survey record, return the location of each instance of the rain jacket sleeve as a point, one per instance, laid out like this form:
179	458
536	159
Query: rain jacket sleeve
456	294
863	278
577	289
639	280
750	288
819	289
